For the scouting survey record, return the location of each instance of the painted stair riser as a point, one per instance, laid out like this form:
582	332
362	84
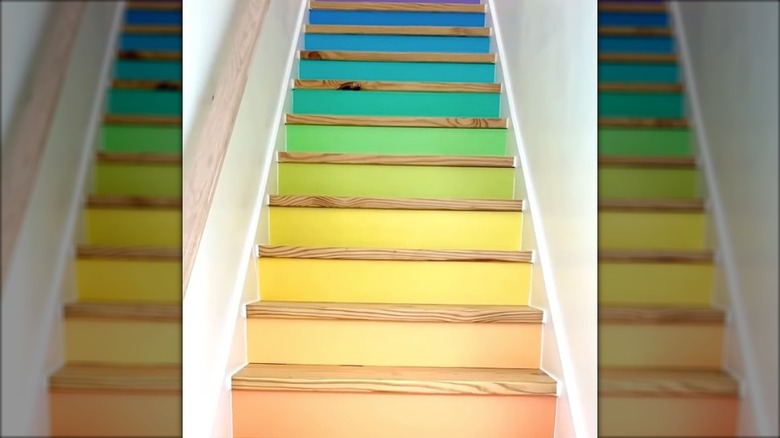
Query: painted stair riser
629	19
397	18
153	17
394	282
134	227
259	414
413	229
379	343
150	43
129	280
661	73
148	70
144	102
660	346
668	416
651	105
645	142
396	141
142	139
463	2
396	71
397	43
683	285
122	342
652	230
396	181
634	44
639	183
137	180
396	103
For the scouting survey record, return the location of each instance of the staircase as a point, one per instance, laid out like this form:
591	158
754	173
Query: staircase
660	335
122	337
394	292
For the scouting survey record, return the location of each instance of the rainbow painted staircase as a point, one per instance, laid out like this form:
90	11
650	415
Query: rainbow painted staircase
394	294
660	335
122	375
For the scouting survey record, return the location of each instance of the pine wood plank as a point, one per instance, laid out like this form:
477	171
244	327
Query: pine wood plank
667	205
146	55
397	7
124	311
666	383
649	162
404	380
396	160
133	253
655	256
123	119
392	254
473	58
398	30
132	202
394	312
634	31
395	203
640	87
632	7
151	29
98	377
660	315
630	122
138	158
401	86
648	58
146	85
429	122
155	6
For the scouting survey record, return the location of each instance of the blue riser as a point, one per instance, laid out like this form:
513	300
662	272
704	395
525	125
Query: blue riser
397	43
397	18
653	73
148	70
153	17
150	42
629	19
634	44
396	71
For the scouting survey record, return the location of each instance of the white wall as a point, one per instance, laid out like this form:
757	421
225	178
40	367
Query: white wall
731	58
549	57
22	31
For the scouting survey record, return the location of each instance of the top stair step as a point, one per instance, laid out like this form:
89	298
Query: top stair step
466	58
398	30
396	7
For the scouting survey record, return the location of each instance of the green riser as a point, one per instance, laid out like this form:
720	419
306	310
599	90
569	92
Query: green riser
647	183
644	142
137	180
130	138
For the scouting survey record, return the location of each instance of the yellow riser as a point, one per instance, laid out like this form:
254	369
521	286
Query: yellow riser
394	282
102	414
628	345
129	280
134	227
136	342
382	343
688	285
417	229
651	230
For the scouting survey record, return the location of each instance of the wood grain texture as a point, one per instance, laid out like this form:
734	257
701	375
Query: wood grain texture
124	311
125	119
649	162
403	380
155	6
641	87
412	7
634	31
333	55
395	203
394	312
133	202
97	377
393	254
150	56
472	87
660	315
146	85
643	58
398	30
630	122
138	158
397	160
631	7
429	122
654	256
151	29
666	383
35	112
130	253
660	205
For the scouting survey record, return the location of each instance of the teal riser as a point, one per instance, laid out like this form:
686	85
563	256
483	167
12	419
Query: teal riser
397	71
396	103
145	102
624	104
148	70
142	139
628	19
153	43
635	44
396	141
397	43
627	72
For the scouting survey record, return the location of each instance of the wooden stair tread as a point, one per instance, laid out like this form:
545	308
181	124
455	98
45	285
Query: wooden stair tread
126	119
335	55
401	380
635	122
659	315
397	160
154	5
429	122
397	7
631	7
152	29
650	58
128	253
655	256
648	162
150	55
666	383
641	87
634	31
279	251
397	30
394	312
156	312
659	205
138	158
395	203
94	377
471	87
146	85
139	202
